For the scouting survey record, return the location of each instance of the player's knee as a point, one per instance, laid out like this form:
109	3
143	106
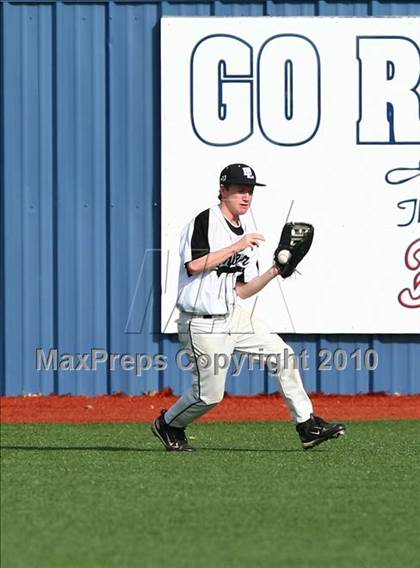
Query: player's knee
212	399
288	351
277	348
283	350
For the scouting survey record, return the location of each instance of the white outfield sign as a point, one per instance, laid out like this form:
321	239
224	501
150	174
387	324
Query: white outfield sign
327	112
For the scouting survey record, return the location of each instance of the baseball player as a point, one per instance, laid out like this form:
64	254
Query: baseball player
219	268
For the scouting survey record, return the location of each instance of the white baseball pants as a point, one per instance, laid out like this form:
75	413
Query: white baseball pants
211	342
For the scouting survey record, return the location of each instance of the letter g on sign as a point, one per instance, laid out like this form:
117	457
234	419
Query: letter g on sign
221	90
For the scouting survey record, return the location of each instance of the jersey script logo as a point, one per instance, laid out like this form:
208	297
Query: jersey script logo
235	263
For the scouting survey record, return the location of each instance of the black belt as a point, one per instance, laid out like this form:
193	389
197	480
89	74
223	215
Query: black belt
205	316
210	316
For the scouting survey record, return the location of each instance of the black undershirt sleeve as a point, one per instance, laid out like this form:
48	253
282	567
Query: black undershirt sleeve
200	237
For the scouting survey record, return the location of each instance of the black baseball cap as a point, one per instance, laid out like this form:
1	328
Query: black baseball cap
240	174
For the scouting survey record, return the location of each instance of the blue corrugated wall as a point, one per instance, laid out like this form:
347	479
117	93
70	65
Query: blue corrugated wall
80	198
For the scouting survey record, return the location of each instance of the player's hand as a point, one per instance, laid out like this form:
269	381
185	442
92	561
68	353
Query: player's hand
276	269
249	240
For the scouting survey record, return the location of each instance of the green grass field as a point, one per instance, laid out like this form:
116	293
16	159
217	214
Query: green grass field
109	495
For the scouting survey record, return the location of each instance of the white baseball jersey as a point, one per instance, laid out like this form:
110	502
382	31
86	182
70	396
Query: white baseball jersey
212	292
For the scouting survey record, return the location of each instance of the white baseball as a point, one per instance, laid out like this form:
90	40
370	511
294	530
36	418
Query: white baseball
283	256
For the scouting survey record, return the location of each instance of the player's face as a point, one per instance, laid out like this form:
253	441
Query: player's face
238	198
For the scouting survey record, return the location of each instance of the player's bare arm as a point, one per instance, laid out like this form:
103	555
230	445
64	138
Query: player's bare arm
248	289
213	259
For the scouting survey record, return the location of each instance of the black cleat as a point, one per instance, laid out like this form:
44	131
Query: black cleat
174	439
315	431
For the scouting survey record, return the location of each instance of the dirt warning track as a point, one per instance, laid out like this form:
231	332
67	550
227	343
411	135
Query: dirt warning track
124	408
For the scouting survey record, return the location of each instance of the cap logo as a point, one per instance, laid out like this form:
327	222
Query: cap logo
247	172
223	177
